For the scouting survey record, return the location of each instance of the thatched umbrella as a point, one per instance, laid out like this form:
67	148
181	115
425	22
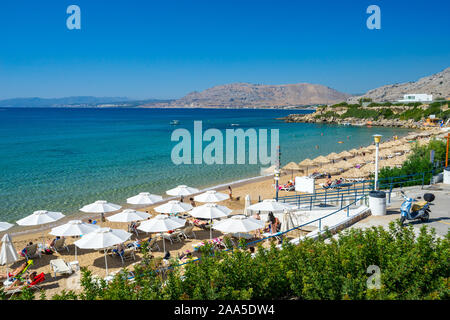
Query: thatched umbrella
292	166
424	142
345	154
366	150
368	168
344	165
333	156
322	160
401	148
411	136
355	160
354	152
386	152
307	163
354	173
334	170
367	158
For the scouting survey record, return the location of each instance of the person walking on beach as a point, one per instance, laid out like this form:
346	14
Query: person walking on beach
230	192
192	202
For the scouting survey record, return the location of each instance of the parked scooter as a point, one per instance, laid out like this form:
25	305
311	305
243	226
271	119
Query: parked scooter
419	210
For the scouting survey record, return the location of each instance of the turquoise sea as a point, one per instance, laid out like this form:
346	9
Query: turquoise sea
63	158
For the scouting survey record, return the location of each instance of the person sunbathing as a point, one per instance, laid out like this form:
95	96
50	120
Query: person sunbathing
327	183
18	283
24	251
120	249
16	271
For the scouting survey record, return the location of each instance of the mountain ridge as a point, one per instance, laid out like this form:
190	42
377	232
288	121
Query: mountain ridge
244	94
437	84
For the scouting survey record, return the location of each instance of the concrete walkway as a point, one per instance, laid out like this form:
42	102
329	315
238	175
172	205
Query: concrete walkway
439	216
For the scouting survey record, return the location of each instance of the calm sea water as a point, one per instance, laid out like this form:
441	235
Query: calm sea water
62	159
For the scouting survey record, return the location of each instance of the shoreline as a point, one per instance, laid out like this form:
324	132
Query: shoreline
257	187
17	230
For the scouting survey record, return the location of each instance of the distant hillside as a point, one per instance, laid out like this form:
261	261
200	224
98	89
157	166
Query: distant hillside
82	101
255	95
437	84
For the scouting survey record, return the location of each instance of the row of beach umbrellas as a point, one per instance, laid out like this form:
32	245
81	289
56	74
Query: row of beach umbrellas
95	237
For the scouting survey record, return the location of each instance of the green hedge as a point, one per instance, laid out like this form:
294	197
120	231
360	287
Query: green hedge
418	161
411	267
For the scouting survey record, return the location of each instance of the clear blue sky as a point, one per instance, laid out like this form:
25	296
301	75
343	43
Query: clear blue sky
165	49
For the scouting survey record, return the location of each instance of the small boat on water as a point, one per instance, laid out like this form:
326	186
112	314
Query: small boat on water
174	122
235	124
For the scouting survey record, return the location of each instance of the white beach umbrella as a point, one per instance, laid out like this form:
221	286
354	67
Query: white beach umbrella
40	217
162	223
173	206
73	228
238	224
129	215
247	204
103	238
5	226
182	190
271	205
100	206
210	211
144	198
8	253
211	196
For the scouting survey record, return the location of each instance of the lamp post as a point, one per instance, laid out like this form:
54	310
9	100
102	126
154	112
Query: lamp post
446	150
277	171
377	139
277	178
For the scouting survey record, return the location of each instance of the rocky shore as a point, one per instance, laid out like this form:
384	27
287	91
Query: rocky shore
313	118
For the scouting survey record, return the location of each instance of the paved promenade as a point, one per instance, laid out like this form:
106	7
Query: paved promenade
440	209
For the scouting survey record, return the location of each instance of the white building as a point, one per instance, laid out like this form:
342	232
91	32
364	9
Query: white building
417	97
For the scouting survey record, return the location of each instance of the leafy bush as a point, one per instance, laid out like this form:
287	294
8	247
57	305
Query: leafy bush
357	112
412	267
341	104
327	114
417	161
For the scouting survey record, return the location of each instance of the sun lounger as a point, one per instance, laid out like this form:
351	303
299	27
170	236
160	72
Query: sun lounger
127	254
202	224
59	245
241	235
153	244
189	230
287	188
35	285
32	251
60	266
174	236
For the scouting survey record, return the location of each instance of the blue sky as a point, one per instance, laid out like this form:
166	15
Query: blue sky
166	49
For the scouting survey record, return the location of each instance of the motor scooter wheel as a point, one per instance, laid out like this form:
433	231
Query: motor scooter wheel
425	217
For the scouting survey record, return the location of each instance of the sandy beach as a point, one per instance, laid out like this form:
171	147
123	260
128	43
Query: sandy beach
258	188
